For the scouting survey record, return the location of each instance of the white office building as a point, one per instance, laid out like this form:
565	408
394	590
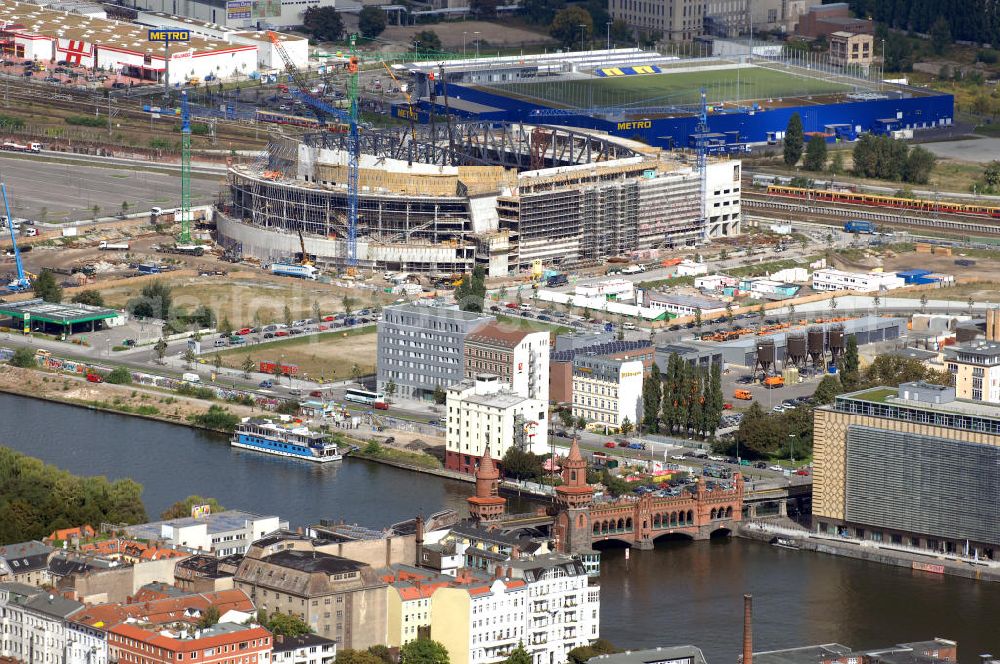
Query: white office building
829	279
607	391
223	533
485	412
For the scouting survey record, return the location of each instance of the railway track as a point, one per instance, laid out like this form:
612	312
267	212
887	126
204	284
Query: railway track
836	213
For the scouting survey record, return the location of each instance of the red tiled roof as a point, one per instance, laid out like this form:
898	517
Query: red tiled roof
165	610
68	533
497	334
187	645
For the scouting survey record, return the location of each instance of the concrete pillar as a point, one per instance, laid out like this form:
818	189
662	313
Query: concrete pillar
783	508
643	544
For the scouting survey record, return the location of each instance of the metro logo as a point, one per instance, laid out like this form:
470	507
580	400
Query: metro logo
169	35
641	124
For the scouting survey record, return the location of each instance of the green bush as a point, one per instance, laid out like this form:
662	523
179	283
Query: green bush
119	376
10	122
216	417
85	121
24	358
189	390
159	144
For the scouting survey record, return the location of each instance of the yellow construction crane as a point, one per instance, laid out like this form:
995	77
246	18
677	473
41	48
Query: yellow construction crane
305	256
404	88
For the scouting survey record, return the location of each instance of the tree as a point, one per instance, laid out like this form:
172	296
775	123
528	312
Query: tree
991	176
349	304
793	140
521	465
383	653
470	294
919	164
356	373
203	317
651	396
217	362
154	301
566	26
46	287
697	318
518	655
317	315
940	35
729	311
119	376
581	654
287	316
972	303
349	656
581	422
160	349
96	209
248	366
124	208
541	12
850	376
566	417
923	302
837	163
620	31
182	508
626	426
815	154
714	399
371	21
225	327
91	297
189	357
483	9
423	651
323	23
829	387
440	396
210	617
23	358
390	389
892	370
282	624
426	40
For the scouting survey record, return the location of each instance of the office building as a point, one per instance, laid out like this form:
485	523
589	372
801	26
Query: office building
561	361
607	391
519	358
824	19
911	465
848	49
223	533
975	368
339	599
422	348
830	279
485	413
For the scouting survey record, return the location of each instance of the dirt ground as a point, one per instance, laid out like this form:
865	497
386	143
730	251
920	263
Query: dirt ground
124	398
490	34
324	357
981	281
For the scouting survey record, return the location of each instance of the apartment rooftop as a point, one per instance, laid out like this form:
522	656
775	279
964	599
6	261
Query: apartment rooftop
448	312
313	561
927	404
219	522
661	655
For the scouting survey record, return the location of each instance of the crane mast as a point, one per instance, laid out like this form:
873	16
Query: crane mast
21	282
185	236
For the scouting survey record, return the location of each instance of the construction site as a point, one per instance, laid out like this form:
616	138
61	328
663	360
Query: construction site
442	199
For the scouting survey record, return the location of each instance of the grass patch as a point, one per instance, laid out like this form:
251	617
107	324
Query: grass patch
376	451
330	355
667	283
760	269
122	407
878	395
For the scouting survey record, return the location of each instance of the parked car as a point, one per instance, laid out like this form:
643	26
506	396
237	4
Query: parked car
266	384
776	468
317	394
802	472
94	378
281	333
610	444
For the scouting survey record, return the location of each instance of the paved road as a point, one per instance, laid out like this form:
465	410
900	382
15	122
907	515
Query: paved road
68	189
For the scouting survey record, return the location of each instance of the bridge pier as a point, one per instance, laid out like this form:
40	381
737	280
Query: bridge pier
643	544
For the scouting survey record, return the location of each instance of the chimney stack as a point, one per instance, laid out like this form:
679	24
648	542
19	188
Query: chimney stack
748	629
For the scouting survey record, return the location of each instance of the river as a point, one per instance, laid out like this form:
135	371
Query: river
680	593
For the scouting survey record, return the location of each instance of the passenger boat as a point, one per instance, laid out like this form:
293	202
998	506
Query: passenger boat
283	437
784	543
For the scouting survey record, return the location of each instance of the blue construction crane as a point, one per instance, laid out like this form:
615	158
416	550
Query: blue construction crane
323	110
185	237
701	145
21	283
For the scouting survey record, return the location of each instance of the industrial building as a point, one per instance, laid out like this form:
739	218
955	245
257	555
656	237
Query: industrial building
912	466
34	33
240	14
598	345
817	345
444	199
65	319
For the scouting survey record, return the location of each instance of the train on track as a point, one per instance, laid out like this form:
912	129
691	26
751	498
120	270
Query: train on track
882	201
297	121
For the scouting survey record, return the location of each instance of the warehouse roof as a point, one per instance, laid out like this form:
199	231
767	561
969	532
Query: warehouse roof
114	34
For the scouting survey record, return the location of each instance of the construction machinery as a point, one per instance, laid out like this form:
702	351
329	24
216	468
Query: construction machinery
305	255
21	282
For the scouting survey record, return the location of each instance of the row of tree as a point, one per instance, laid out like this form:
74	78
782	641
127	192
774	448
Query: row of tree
684	399
885	158
36	499
971	20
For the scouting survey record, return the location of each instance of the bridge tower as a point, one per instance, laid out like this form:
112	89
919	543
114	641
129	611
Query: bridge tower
573	497
487	507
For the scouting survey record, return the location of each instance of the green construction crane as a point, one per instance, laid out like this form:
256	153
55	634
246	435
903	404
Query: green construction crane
185	236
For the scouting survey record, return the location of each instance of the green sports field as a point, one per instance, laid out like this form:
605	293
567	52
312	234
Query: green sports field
681	88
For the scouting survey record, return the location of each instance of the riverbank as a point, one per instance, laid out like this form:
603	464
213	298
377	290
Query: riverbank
133	400
929	563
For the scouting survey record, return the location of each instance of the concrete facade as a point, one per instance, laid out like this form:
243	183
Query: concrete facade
976	370
421	348
607	391
518	358
851	50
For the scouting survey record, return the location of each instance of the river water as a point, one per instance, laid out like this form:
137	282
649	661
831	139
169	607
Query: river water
679	593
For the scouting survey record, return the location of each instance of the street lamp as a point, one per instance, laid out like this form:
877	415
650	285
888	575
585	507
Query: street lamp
583	32
464	32
476	34
791	448
608	25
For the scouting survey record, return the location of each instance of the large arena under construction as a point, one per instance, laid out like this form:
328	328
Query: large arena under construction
443	198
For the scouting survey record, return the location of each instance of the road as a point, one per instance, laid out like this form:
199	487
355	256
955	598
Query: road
56	190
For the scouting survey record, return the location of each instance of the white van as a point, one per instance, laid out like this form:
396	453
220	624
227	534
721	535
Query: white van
191	378
155	211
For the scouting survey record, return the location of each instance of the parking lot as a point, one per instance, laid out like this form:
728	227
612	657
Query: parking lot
63	73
